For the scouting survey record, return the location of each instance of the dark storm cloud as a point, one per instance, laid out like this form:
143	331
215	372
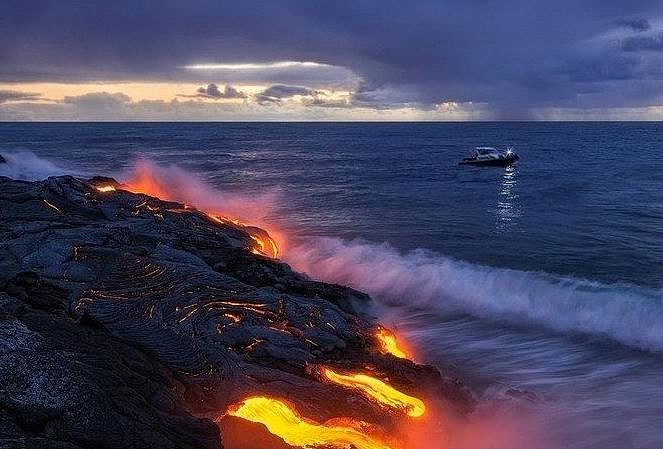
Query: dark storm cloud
12	95
274	94
643	43
515	55
282	91
639	25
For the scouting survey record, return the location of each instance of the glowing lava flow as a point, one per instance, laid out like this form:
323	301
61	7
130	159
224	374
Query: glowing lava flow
388	343
143	181
106	188
263	243
379	391
226	220
268	248
283	421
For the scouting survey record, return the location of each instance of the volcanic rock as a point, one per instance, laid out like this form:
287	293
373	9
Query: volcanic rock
128	321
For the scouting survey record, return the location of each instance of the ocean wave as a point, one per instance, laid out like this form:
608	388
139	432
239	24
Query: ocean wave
627	314
27	166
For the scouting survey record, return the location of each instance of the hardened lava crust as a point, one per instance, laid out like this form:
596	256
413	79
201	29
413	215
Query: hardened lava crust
131	322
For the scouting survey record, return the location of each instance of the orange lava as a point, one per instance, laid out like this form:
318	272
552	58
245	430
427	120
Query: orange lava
106	188
144	182
284	421
265	246
225	220
377	390
388	343
278	416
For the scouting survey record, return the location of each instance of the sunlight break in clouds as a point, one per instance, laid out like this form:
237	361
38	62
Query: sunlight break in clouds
257	66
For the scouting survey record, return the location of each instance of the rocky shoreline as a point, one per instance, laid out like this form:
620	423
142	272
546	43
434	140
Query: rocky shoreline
131	322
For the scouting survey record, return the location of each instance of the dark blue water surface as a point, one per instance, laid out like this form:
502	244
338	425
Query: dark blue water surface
546	277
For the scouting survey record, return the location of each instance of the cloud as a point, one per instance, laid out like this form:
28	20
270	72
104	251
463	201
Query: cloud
104	106
256	66
94	106
327	103
286	72
98	100
212	92
503	54
639	25
12	95
643	43
276	93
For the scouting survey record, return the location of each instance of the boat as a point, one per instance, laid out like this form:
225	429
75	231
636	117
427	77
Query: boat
489	156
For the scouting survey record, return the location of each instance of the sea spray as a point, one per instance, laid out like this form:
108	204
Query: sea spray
27	166
625	313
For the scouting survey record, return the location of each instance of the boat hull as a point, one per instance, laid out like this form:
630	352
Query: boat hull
501	162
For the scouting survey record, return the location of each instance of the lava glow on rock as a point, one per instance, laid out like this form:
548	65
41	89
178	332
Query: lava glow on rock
284	422
265	246
106	188
378	391
277	415
144	182
388	343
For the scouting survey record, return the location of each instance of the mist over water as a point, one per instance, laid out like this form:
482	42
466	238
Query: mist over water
27	166
547	353
542	285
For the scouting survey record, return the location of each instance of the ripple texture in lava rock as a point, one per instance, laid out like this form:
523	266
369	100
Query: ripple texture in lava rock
131	322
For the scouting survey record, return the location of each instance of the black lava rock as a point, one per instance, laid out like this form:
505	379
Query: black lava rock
131	322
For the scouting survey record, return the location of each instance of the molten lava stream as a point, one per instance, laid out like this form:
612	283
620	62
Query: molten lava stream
377	390
388	343
286	423
268	249
106	188
143	181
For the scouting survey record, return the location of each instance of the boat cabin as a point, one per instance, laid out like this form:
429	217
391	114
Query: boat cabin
486	153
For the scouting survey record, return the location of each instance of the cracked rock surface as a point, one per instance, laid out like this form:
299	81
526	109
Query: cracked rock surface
131	322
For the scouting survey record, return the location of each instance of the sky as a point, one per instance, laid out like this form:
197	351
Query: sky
215	60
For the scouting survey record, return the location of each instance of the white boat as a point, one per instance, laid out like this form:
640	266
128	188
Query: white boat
490	156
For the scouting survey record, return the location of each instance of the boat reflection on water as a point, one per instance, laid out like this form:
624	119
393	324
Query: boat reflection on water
508	208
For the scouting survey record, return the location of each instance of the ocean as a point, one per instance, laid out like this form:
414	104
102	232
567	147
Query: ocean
541	284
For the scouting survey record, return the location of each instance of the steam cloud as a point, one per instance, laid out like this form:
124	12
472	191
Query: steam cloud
27	166
174	183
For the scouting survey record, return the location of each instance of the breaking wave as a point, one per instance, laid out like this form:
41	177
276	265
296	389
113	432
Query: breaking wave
27	166
625	313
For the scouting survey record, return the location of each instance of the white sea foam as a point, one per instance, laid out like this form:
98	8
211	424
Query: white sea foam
624	313
27	166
